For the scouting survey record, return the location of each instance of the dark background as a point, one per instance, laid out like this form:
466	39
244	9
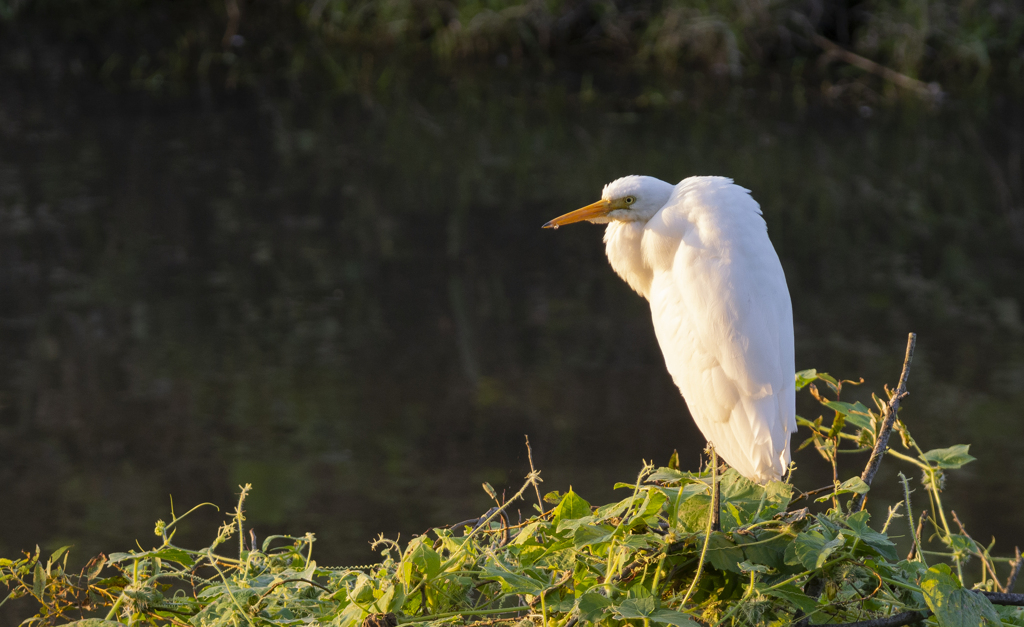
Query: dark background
297	244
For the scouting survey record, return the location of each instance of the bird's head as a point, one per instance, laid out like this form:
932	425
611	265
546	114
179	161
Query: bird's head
628	199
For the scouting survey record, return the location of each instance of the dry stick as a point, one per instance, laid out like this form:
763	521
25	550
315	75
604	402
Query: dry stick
920	527
529	455
932	91
890	419
1012	579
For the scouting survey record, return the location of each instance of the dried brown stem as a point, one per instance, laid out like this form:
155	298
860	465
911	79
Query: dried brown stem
882	443
920	528
1014	571
931	92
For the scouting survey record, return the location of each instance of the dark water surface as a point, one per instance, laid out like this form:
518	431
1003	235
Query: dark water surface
351	305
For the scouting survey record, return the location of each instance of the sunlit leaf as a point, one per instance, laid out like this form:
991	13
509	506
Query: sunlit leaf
647	608
804	377
571	506
953	605
952	457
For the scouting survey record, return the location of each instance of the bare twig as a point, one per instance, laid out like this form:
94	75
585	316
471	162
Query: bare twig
529	455
890	418
1014	571
930	91
813	492
920	527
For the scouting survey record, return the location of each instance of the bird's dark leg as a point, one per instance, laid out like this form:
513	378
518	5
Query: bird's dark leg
716	508
716	495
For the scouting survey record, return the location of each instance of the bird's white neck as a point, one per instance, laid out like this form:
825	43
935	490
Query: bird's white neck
622	245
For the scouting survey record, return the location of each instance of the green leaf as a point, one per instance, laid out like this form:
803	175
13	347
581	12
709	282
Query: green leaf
571	506
953	605
858	523
174	555
526	534
811	549
512	582
750	567
592	606
425	558
669	475
961	544
769	552
587	535
724	554
95	622
56	554
792	594
650	509
804	377
856	413
952	457
693	513
853	485
647	608
38	581
553	497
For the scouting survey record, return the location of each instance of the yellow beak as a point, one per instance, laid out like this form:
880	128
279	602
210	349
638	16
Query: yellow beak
599	209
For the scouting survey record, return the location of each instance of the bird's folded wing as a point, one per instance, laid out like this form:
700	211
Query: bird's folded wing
723	317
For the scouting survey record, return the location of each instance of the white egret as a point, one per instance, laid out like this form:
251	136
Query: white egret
699	253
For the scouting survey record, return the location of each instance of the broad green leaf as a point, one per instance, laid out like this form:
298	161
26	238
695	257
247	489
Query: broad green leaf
587	535
792	594
647	608
724	554
856	413
512	582
526	534
811	549
768	551
571	506
854	485
554	497
693	513
95	622
174	555
858	523
953	605
592	606
804	377
952	457
961	544
425	558
750	567
669	475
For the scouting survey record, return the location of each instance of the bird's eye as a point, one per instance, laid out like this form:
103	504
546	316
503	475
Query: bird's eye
630	200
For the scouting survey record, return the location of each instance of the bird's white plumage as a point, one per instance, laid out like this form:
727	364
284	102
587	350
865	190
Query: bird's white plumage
699	252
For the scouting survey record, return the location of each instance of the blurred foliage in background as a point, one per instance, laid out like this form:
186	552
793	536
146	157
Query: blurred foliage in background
629	48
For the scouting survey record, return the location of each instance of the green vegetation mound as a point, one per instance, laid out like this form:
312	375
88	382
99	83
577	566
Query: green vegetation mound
655	557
